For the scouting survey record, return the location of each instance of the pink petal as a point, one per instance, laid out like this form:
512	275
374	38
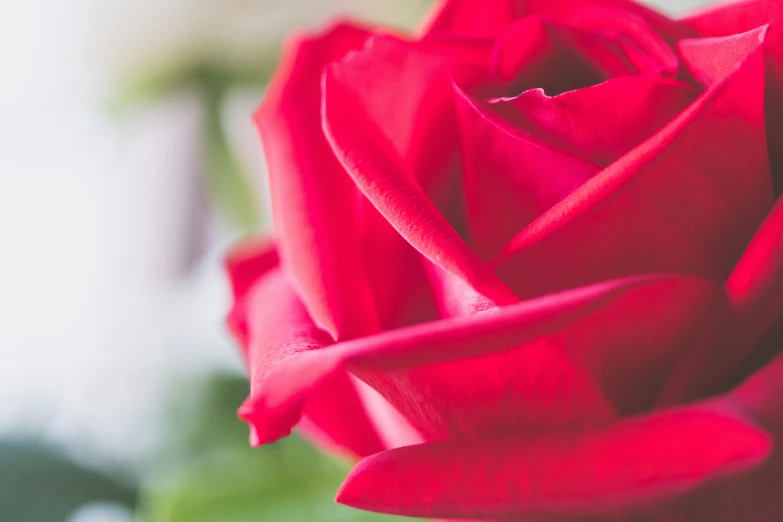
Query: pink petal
647	51
337	419
624	468
756	284
245	264
404	88
755	288
737	17
393	428
755	496
570	358
472	18
537	53
755	292
600	123
686	200
383	175
278	328
510	176
567	10
312	197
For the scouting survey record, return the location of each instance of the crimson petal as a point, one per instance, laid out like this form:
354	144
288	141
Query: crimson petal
245	264
278	327
755	496
637	217
510	176
603	122
624	468
472	18
386	179
311	195
552	361
737	17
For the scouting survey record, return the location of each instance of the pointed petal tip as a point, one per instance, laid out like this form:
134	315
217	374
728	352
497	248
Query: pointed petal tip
267	426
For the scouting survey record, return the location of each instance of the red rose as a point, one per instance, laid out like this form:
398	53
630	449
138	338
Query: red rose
529	263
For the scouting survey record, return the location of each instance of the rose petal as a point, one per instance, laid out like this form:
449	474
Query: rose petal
756	496
336	419
510	177
393	428
737	17
624	468
603	122
756	284
537	53
568	10
646	51
312	198
278	328
386	179
472	19
245	264
755	289
658	208
551	361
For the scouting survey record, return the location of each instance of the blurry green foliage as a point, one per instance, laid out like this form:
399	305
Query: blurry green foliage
37	484
211	474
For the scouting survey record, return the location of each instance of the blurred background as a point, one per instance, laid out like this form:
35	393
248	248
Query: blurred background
128	164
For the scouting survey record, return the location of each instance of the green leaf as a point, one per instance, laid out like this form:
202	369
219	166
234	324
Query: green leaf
218	477
38	484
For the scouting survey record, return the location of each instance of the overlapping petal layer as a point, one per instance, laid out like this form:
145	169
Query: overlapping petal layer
621	469
312	198
737	17
637	217
573	358
264	313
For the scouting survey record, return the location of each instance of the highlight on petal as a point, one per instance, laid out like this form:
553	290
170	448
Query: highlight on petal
291	360
755	289
553	361
624	468
312	197
510	176
278	328
337	419
603	122
711	60
333	416
731	18
756	284
762	396
381	173
637	217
